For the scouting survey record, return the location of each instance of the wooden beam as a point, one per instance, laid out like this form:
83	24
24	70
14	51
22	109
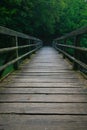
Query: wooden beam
79	31
7	31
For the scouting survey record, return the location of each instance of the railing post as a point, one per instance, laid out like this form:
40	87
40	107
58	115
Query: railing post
59	52
29	48
34	47
15	40
53	44
56	45
64	48
76	52
38	46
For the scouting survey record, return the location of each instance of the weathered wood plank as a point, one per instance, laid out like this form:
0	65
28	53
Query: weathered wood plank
44	79
47	70
44	108
44	90
44	76
41	122
42	98
45	85
65	74
39	80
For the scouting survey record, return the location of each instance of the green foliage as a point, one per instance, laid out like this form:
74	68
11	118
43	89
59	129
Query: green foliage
45	19
9	69
74	15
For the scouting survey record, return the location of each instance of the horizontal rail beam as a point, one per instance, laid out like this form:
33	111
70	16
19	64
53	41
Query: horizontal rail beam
80	31
17	59
72	58
77	57
15	48
32	45
73	47
7	31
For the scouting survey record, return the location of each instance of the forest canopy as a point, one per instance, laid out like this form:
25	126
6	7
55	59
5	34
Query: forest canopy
45	19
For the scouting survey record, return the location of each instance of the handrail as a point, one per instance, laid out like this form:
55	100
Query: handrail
15	60
33	44
73	47
10	32
15	48
77	34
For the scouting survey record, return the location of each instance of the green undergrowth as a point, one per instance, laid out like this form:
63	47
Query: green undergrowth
8	70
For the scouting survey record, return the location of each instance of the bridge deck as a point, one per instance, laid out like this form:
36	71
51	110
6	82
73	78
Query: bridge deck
45	95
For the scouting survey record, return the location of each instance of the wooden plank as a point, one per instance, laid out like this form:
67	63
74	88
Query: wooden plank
43	85
43	76
44	108
46	70
48	122
40	80
47	73
44	90
46	67
42	98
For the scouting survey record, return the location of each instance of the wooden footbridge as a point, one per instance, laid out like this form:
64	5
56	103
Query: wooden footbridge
46	92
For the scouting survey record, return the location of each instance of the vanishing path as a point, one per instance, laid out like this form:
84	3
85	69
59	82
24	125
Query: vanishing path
46	94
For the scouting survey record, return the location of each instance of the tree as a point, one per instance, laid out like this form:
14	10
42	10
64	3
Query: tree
42	18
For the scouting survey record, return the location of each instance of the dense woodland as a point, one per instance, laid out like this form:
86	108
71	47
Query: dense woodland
46	19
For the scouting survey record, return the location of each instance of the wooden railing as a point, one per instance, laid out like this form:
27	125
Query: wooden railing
29	45
63	45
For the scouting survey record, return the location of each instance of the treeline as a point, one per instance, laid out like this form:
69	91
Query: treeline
46	19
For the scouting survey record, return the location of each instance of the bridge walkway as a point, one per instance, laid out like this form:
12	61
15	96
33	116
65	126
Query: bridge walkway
45	94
